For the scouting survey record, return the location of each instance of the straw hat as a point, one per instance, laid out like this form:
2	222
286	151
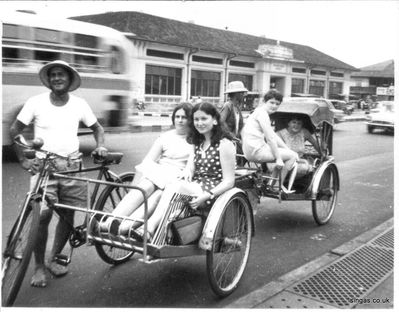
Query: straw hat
75	81
236	86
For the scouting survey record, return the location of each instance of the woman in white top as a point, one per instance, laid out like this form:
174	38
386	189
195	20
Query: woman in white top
260	142
162	165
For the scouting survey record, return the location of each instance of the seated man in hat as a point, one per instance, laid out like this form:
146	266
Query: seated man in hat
56	116
231	113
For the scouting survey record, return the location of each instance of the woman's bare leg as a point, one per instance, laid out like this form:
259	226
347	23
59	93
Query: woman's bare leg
132	200
289	158
152	203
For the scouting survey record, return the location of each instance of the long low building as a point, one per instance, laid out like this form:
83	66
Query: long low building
175	61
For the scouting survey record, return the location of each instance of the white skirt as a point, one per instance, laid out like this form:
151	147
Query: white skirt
160	175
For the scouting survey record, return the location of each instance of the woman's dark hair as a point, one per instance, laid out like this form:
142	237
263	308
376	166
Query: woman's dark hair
187	107
218	131
273	94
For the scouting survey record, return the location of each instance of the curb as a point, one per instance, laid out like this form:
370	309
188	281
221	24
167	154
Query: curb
152	114
257	297
356	119
153	128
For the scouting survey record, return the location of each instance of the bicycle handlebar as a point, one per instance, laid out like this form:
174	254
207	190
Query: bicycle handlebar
35	146
111	158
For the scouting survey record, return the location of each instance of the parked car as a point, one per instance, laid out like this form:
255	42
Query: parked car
342	105
339	115
381	106
383	119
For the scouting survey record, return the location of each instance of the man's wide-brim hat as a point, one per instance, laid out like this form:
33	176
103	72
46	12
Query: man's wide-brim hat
235	86
75	77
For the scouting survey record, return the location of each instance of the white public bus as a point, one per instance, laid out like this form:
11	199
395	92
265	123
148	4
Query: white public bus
100	54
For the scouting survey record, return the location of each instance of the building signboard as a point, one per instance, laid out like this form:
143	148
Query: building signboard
277	51
279	67
385	91
381	91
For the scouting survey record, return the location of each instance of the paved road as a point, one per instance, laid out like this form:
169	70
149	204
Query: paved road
286	235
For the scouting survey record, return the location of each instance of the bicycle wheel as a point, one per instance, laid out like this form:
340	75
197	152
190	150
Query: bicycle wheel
326	199
107	201
227	259
18	252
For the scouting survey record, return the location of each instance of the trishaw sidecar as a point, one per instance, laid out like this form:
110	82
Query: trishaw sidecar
225	240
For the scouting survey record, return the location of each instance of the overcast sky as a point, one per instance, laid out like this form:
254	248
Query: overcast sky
359	33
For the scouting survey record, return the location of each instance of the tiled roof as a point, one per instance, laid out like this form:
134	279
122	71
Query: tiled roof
168	31
381	70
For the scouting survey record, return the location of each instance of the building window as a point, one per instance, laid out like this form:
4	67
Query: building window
204	83
165	54
317	87
163	80
318	72
299	70
297	85
334	88
246	80
209	60
242	64
336	74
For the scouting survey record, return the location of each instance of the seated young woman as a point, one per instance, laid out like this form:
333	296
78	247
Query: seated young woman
163	164
261	143
210	168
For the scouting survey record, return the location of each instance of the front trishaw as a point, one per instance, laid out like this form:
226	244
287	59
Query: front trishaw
225	238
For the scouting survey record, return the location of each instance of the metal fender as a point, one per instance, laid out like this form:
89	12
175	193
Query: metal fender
214	216
319	173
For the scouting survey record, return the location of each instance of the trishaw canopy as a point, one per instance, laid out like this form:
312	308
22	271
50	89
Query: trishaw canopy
315	112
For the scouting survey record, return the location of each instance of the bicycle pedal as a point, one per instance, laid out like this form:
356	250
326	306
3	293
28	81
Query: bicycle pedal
61	259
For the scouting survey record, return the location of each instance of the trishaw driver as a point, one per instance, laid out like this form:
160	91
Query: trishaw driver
56	116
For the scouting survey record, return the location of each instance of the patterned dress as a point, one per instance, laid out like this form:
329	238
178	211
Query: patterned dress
208	170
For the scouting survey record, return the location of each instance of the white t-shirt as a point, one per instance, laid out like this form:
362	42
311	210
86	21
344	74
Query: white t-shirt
57	125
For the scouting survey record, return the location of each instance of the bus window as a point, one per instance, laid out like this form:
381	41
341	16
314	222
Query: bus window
86	41
10	55
10	31
116	60
86	63
46	56
46	35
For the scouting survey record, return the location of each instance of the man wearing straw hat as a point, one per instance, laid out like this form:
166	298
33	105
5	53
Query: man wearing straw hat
56	116
231	112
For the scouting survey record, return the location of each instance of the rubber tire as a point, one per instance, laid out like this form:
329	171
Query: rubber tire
25	235
370	129
109	254
332	175
214	267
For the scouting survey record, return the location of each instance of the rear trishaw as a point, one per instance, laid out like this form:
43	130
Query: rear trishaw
319	186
